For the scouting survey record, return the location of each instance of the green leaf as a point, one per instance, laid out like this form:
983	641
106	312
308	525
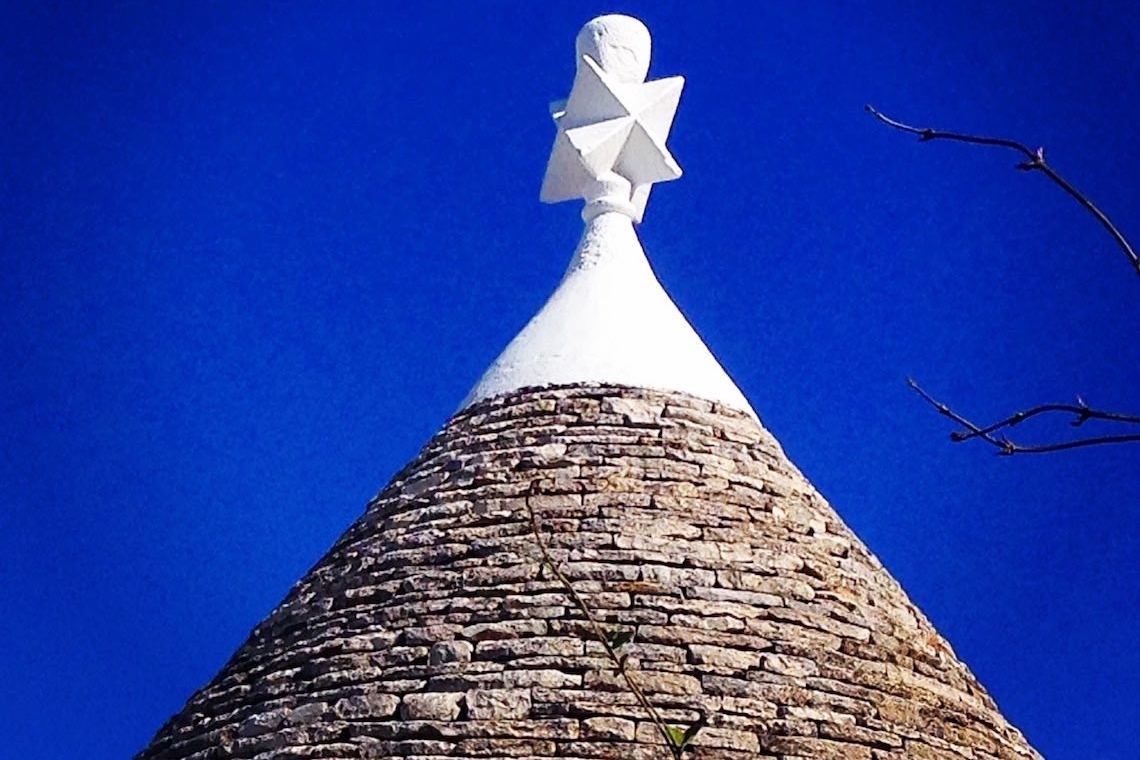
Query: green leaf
691	732
681	738
676	736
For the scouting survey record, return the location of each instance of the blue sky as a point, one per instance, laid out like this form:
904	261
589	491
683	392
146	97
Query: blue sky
253	255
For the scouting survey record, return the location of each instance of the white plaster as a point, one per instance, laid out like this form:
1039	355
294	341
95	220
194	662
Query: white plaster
609	320
620	44
614	122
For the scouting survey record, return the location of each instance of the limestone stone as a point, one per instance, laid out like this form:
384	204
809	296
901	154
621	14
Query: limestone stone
727	738
509	629
723	657
603	727
451	651
787	665
374	706
650	680
632	412
498	704
431	706
306	713
262	723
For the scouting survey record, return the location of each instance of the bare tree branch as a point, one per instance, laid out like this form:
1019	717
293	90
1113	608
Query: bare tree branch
1034	161
1082	413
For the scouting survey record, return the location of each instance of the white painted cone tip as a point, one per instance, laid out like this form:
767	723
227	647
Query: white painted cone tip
609	321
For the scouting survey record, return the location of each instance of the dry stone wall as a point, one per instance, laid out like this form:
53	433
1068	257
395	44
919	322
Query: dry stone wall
432	630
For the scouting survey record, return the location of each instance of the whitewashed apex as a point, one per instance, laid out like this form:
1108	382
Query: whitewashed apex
609	320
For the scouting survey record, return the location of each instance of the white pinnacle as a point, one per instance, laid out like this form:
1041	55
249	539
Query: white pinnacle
614	122
610	321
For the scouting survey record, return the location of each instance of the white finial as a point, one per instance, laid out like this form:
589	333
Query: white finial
610	147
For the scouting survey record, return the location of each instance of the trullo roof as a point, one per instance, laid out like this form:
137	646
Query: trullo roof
594	484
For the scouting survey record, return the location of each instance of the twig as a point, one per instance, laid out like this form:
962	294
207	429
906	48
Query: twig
618	661
1034	161
1082	412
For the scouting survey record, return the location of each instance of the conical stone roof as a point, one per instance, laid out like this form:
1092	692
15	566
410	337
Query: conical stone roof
589	490
431	628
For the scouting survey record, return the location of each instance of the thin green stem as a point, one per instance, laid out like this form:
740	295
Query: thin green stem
599	633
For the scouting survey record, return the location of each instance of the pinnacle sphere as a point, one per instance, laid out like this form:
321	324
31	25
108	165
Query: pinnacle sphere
619	44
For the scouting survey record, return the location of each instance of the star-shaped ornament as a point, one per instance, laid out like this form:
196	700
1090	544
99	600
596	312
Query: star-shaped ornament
611	127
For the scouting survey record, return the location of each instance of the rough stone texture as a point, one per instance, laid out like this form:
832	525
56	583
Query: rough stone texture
429	629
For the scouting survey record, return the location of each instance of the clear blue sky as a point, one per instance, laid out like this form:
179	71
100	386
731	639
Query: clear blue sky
253	255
